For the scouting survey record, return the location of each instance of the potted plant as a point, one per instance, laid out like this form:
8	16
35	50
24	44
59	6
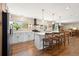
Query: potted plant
16	26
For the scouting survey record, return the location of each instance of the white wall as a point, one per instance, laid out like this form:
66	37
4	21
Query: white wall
71	26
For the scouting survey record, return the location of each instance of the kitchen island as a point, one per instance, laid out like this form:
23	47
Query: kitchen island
39	39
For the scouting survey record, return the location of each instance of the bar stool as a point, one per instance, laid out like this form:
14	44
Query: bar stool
56	38
47	41
62	36
67	36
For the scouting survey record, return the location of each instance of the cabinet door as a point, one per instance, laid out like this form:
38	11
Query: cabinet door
30	36
26	38
15	38
19	37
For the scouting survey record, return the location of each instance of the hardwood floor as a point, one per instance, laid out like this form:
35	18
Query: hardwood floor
28	49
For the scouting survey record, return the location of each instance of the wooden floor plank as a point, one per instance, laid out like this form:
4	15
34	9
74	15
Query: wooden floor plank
29	49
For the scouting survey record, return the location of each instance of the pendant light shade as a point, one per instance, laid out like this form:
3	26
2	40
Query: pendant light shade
35	21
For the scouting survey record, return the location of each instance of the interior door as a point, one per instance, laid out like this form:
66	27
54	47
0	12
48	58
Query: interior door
4	34
0	33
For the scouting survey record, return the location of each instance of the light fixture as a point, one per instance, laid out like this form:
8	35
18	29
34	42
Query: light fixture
59	24
10	22
53	21
53	15
42	14
68	7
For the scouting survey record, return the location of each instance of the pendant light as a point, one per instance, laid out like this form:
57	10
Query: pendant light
43	16
60	20
53	18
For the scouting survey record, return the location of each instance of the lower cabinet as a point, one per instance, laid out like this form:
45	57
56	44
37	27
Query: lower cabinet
21	37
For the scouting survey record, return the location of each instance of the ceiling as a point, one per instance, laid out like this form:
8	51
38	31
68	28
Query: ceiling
59	12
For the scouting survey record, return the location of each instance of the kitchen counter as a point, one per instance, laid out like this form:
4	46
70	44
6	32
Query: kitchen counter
43	33
21	36
39	39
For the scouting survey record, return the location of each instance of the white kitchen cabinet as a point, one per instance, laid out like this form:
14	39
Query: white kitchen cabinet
30	35
18	37
26	36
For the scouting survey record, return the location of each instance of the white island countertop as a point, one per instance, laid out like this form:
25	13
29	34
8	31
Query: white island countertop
43	33
20	31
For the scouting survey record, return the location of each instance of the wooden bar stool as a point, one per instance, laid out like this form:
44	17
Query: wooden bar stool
56	39
47	41
67	36
62	36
